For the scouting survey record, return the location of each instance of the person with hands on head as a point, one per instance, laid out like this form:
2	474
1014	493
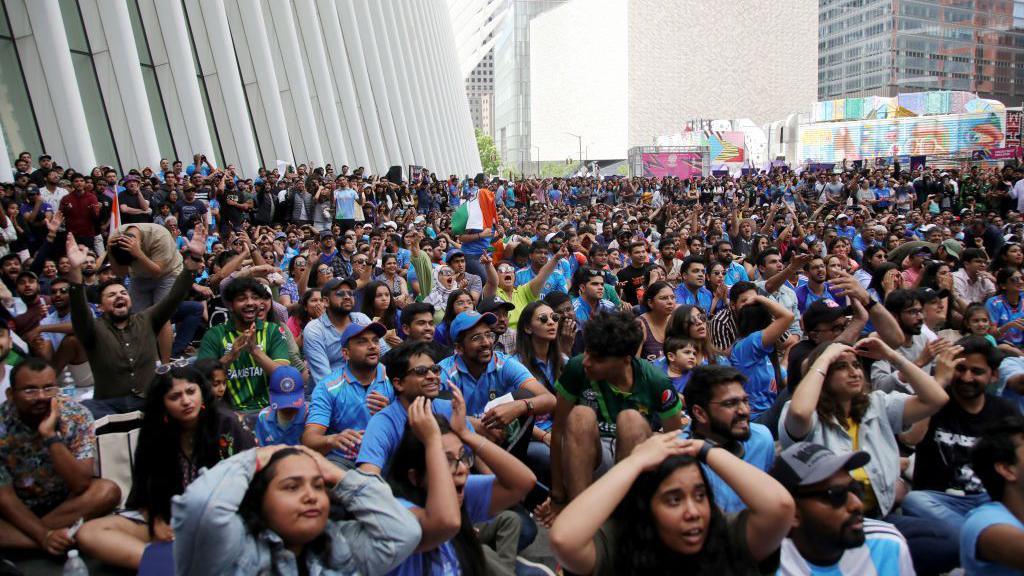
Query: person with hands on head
123	373
835	407
760	322
919	345
431	475
46	464
654	513
344	401
269	511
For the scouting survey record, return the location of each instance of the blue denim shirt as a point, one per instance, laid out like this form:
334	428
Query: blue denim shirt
321	344
211	537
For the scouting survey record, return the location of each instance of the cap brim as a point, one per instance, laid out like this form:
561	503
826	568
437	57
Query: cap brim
832	464
293	399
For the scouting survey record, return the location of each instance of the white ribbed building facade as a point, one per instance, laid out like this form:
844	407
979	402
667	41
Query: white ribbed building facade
253	83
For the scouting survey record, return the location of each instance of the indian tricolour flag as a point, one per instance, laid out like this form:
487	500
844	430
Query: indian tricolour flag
477	214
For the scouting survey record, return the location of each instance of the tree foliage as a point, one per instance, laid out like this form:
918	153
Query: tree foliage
490	160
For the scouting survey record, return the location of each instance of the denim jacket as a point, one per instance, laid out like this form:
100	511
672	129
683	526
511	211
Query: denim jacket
211	537
879	426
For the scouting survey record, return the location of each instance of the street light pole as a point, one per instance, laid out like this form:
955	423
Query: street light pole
537	148
580	142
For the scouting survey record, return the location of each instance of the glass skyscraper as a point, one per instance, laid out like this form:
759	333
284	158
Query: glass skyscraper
884	47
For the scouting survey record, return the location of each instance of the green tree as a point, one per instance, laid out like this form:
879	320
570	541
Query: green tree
490	160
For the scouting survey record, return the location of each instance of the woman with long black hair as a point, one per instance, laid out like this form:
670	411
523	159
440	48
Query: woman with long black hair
459	301
430	474
654	513
183	431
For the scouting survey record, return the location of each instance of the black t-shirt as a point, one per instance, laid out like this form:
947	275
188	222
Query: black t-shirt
633	279
132	201
230	214
944	456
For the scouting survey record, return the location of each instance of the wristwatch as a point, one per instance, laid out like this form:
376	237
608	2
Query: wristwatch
55	439
702	455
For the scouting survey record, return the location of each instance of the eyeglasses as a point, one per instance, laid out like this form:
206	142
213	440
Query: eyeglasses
555	317
422	371
464	457
344	294
59	291
482	337
732	403
836	496
46	392
165	368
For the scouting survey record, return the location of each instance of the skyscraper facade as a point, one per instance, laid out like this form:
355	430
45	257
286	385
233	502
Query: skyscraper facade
884	47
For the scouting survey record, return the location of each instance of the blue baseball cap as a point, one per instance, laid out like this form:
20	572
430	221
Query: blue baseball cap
467	320
354	329
286	390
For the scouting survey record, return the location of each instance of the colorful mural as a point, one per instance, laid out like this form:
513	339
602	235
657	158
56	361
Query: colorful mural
903	106
948	135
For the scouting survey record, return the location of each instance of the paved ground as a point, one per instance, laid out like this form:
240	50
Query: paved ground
37	565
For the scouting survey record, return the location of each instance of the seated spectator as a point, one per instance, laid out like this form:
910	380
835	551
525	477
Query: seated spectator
501	284
990	541
760	323
692	290
418	326
831	534
430	474
344	401
608	402
483	375
945	486
459	301
653	514
46	464
539	255
268	510
1006	308
920	345
464	280
720	411
832	406
589	284
321	338
680	360
284	420
413	373
181	418
248	347
816	287
123	373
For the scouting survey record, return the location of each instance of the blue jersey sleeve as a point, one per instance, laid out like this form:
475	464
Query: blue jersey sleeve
320	406
382	435
477	497
749	350
514	375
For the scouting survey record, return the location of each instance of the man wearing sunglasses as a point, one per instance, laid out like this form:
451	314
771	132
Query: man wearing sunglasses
830	534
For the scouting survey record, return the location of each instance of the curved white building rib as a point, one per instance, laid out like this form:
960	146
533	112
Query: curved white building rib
252	83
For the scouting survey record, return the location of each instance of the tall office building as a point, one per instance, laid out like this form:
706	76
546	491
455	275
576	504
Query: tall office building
884	47
607	75
512	82
480	94
253	83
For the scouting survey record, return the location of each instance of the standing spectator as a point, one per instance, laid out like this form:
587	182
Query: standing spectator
189	209
80	210
135	208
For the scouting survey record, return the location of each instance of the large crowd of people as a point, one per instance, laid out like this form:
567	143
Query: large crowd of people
789	372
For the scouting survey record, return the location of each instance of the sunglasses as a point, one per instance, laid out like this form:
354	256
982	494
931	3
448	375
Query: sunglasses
59	291
555	317
836	496
344	293
422	371
165	368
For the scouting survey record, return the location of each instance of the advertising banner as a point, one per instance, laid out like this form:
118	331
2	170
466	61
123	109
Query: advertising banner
681	164
1008	153
1013	128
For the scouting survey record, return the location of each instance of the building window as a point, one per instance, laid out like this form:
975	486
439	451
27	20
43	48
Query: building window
100	133
17	118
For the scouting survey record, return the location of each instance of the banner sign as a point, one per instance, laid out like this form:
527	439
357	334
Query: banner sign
1008	153
681	164
1013	128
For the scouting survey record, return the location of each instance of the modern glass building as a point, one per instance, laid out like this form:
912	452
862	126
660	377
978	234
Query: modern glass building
253	83
884	47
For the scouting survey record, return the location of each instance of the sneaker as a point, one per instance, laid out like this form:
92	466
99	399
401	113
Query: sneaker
526	567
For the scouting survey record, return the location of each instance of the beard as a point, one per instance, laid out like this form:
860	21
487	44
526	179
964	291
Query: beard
851	537
340	310
726	430
967	390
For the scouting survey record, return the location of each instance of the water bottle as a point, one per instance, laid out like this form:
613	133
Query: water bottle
67	384
75	566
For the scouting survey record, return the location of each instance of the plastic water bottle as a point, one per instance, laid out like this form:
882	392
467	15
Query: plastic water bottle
67	384
75	566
